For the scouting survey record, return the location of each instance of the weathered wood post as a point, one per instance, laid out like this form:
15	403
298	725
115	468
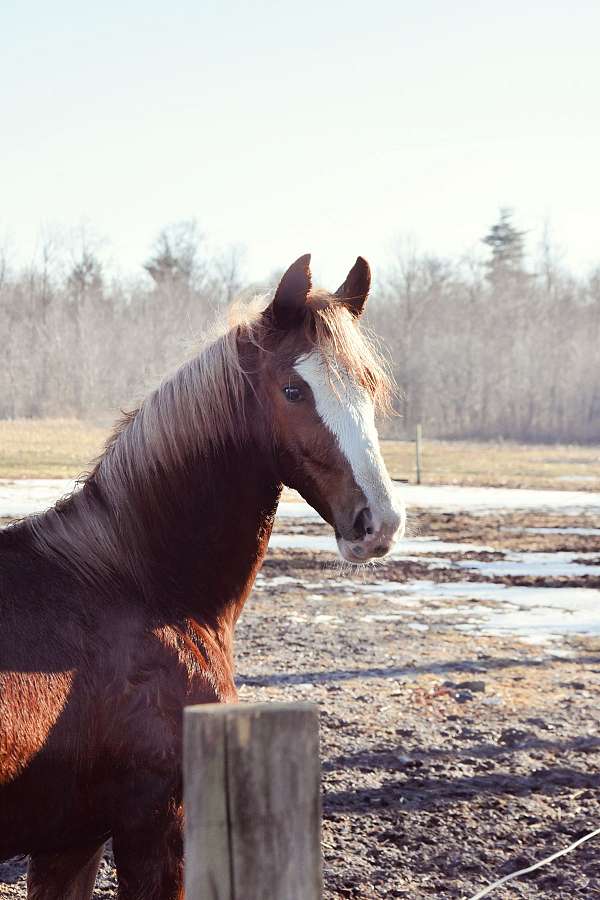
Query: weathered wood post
252	802
418	443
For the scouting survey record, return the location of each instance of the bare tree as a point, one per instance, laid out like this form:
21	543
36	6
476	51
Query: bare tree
480	348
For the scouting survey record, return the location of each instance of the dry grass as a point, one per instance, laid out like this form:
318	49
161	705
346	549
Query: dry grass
48	448
501	464
63	448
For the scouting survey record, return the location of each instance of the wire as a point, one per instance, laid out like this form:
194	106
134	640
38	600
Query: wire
535	866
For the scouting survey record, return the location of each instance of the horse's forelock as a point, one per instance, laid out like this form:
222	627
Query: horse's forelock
353	347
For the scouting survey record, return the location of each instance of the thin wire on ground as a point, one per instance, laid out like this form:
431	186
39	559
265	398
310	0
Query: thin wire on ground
537	865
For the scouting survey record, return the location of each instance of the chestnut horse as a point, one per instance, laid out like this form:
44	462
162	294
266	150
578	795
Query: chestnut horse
118	605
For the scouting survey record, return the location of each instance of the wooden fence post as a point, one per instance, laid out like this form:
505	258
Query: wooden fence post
418	443
252	802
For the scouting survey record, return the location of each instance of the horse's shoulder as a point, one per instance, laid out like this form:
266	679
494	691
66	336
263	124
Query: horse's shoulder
167	660
202	658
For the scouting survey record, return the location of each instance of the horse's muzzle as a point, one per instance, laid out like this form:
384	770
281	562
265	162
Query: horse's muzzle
373	536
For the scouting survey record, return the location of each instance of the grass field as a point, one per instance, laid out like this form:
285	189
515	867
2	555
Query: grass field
63	448
48	448
498	464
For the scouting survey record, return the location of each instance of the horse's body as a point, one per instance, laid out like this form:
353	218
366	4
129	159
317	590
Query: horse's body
118	606
96	691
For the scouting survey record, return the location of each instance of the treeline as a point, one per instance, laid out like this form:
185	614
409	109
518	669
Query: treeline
484	347
487	349
78	344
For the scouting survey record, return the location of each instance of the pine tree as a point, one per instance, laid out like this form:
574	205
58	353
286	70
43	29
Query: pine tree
175	258
508	249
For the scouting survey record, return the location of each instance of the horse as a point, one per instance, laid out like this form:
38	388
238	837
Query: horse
118	605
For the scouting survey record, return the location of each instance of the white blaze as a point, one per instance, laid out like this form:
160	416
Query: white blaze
347	409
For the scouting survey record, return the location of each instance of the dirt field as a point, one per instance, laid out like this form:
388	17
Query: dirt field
63	448
451	754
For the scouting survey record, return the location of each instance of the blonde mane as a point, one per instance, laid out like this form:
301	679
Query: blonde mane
355	348
202	406
173	439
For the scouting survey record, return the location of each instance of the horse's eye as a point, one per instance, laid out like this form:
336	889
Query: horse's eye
293	394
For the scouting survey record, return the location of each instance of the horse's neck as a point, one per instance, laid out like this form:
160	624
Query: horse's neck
185	543
204	546
231	526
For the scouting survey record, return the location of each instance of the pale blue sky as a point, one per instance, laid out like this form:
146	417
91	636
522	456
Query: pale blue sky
292	127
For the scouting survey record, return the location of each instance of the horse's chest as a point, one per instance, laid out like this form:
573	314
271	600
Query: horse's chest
142	708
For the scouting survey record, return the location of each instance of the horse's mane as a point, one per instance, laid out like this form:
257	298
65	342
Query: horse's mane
190	418
203	402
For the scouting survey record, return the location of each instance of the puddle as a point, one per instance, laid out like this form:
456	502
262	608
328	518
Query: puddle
544	565
323	542
296	510
324	619
533	614
486	499
20	497
383	617
534	564
277	580
577	478
474	499
31	495
327	543
584	532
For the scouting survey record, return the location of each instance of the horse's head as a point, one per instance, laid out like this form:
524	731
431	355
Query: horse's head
324	381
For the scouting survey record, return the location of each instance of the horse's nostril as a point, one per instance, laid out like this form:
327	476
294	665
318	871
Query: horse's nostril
361	524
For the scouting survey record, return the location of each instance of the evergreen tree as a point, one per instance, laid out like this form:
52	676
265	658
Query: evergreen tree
508	250
175	258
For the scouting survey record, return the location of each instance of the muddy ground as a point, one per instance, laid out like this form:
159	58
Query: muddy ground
449	757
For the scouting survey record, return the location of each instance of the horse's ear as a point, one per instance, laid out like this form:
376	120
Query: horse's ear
290	297
354	291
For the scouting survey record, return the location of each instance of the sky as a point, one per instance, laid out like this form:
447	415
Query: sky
337	128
